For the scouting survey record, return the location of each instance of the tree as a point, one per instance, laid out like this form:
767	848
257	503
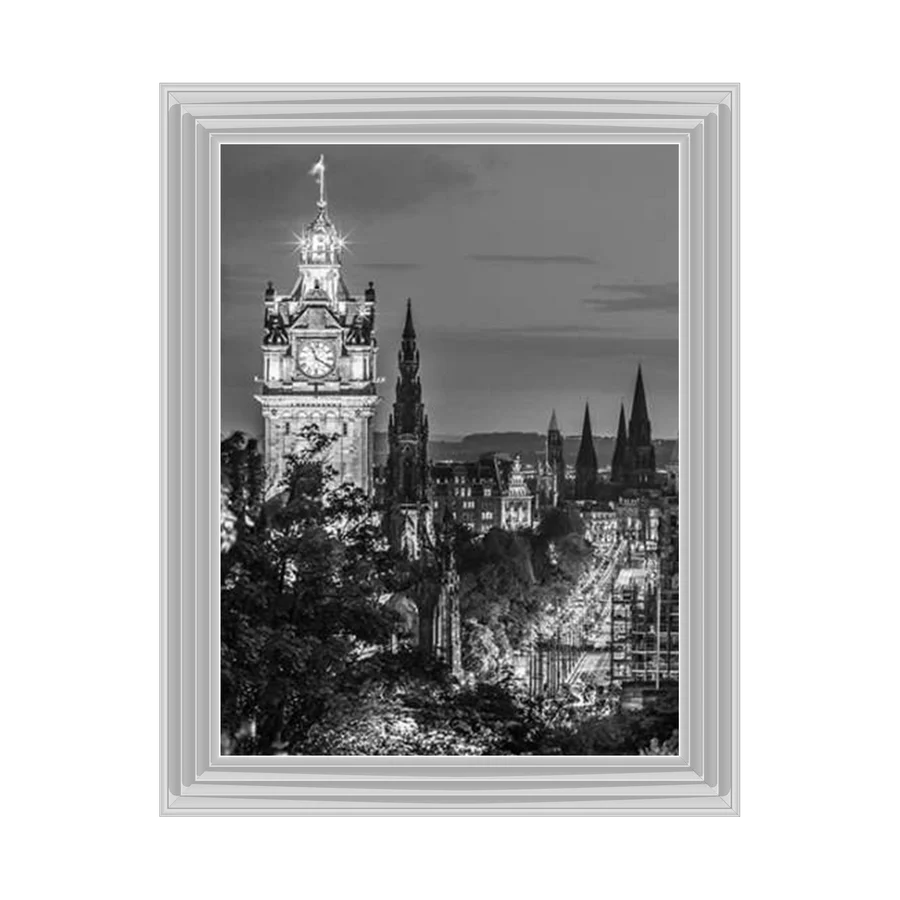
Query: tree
559	521
514	591
300	588
243	480
669	747
595	730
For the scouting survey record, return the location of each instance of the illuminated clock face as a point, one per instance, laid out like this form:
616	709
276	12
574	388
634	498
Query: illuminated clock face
316	358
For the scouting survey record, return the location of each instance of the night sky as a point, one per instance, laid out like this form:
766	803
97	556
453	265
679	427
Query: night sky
540	276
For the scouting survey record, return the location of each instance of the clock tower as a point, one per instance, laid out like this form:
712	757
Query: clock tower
319	353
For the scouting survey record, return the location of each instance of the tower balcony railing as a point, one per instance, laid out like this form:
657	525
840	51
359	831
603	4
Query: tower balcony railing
306	388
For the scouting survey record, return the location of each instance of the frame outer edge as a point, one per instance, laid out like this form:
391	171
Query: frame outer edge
179	281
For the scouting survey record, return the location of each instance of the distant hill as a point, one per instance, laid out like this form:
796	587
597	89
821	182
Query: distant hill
529	445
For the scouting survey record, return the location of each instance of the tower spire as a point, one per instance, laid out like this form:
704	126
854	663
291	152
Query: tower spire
639	425
409	330
556	463
408	357
319	248
586	461
408	473
642	454
587	437
620	458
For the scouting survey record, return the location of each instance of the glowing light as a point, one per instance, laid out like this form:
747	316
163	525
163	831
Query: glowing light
342	242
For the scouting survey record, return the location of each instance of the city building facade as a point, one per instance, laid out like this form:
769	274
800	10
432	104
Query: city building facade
488	493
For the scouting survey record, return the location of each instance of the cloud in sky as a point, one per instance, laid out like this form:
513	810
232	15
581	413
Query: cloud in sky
533	258
635	297
533	343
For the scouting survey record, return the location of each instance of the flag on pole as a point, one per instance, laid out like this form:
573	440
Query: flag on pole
318	170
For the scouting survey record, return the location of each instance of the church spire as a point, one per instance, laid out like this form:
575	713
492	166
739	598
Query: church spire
586	453
586	461
554	425
620	458
642	462
639	426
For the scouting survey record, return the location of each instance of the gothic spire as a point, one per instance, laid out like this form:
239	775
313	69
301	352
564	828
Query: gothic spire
408	435
586	461
409	412
586	452
620	453
409	352
639	425
642	454
409	330
556	463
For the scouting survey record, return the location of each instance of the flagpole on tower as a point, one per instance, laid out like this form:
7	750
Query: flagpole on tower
319	171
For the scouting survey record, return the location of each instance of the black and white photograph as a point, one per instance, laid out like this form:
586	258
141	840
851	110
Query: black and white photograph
449	517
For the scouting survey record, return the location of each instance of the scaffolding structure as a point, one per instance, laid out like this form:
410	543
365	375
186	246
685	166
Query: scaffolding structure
644	634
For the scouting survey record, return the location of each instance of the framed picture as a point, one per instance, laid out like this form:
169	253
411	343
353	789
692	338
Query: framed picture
449	429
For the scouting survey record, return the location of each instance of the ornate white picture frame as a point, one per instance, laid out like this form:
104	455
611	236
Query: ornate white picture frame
702	119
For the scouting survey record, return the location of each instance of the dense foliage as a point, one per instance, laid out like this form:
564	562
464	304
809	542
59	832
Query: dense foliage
307	661
300	588
512	592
